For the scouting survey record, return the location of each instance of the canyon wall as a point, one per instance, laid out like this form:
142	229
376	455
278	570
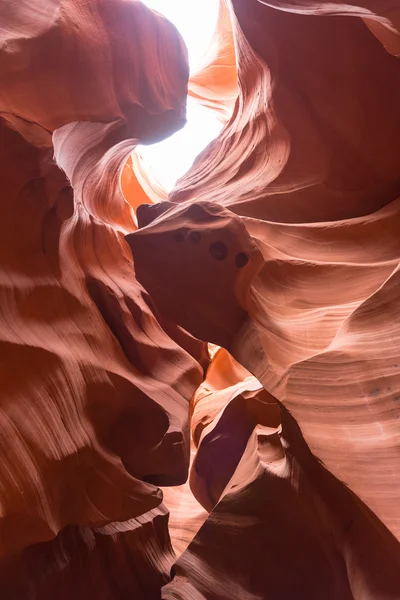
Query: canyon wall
201	392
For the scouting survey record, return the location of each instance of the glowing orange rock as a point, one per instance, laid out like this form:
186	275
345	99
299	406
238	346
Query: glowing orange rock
95	393
281	245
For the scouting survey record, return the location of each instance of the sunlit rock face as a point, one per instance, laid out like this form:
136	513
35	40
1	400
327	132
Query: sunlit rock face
200	390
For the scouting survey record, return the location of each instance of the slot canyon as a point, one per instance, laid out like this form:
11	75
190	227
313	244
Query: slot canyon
200	368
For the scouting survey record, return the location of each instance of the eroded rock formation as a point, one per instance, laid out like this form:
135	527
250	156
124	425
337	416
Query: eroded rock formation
200	396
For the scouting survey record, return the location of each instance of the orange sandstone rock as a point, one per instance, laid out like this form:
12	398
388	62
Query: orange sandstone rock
280	245
95	393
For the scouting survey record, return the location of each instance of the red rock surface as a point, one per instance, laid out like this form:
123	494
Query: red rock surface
277	455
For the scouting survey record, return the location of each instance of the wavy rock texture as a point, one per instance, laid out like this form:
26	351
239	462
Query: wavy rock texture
326	369
214	86
119	560
94	415
280	507
279	457
306	144
298	281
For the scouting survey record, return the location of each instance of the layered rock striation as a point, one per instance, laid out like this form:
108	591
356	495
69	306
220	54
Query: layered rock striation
200	393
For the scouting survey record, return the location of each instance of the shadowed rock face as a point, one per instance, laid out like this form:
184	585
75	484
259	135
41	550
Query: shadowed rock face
277	444
256	455
95	390
183	249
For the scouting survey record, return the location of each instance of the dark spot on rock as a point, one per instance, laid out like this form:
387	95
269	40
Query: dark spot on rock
219	250
241	259
179	236
195	237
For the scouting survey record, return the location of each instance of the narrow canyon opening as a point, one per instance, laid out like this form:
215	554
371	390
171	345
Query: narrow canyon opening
166	161
199	333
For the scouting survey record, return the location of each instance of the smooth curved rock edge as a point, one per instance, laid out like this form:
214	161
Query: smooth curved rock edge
280	245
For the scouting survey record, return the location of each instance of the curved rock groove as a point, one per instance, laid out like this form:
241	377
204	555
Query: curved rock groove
200	392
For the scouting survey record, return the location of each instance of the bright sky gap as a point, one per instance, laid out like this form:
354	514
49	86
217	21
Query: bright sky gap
170	159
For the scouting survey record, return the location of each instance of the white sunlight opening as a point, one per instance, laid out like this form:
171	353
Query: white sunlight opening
168	160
